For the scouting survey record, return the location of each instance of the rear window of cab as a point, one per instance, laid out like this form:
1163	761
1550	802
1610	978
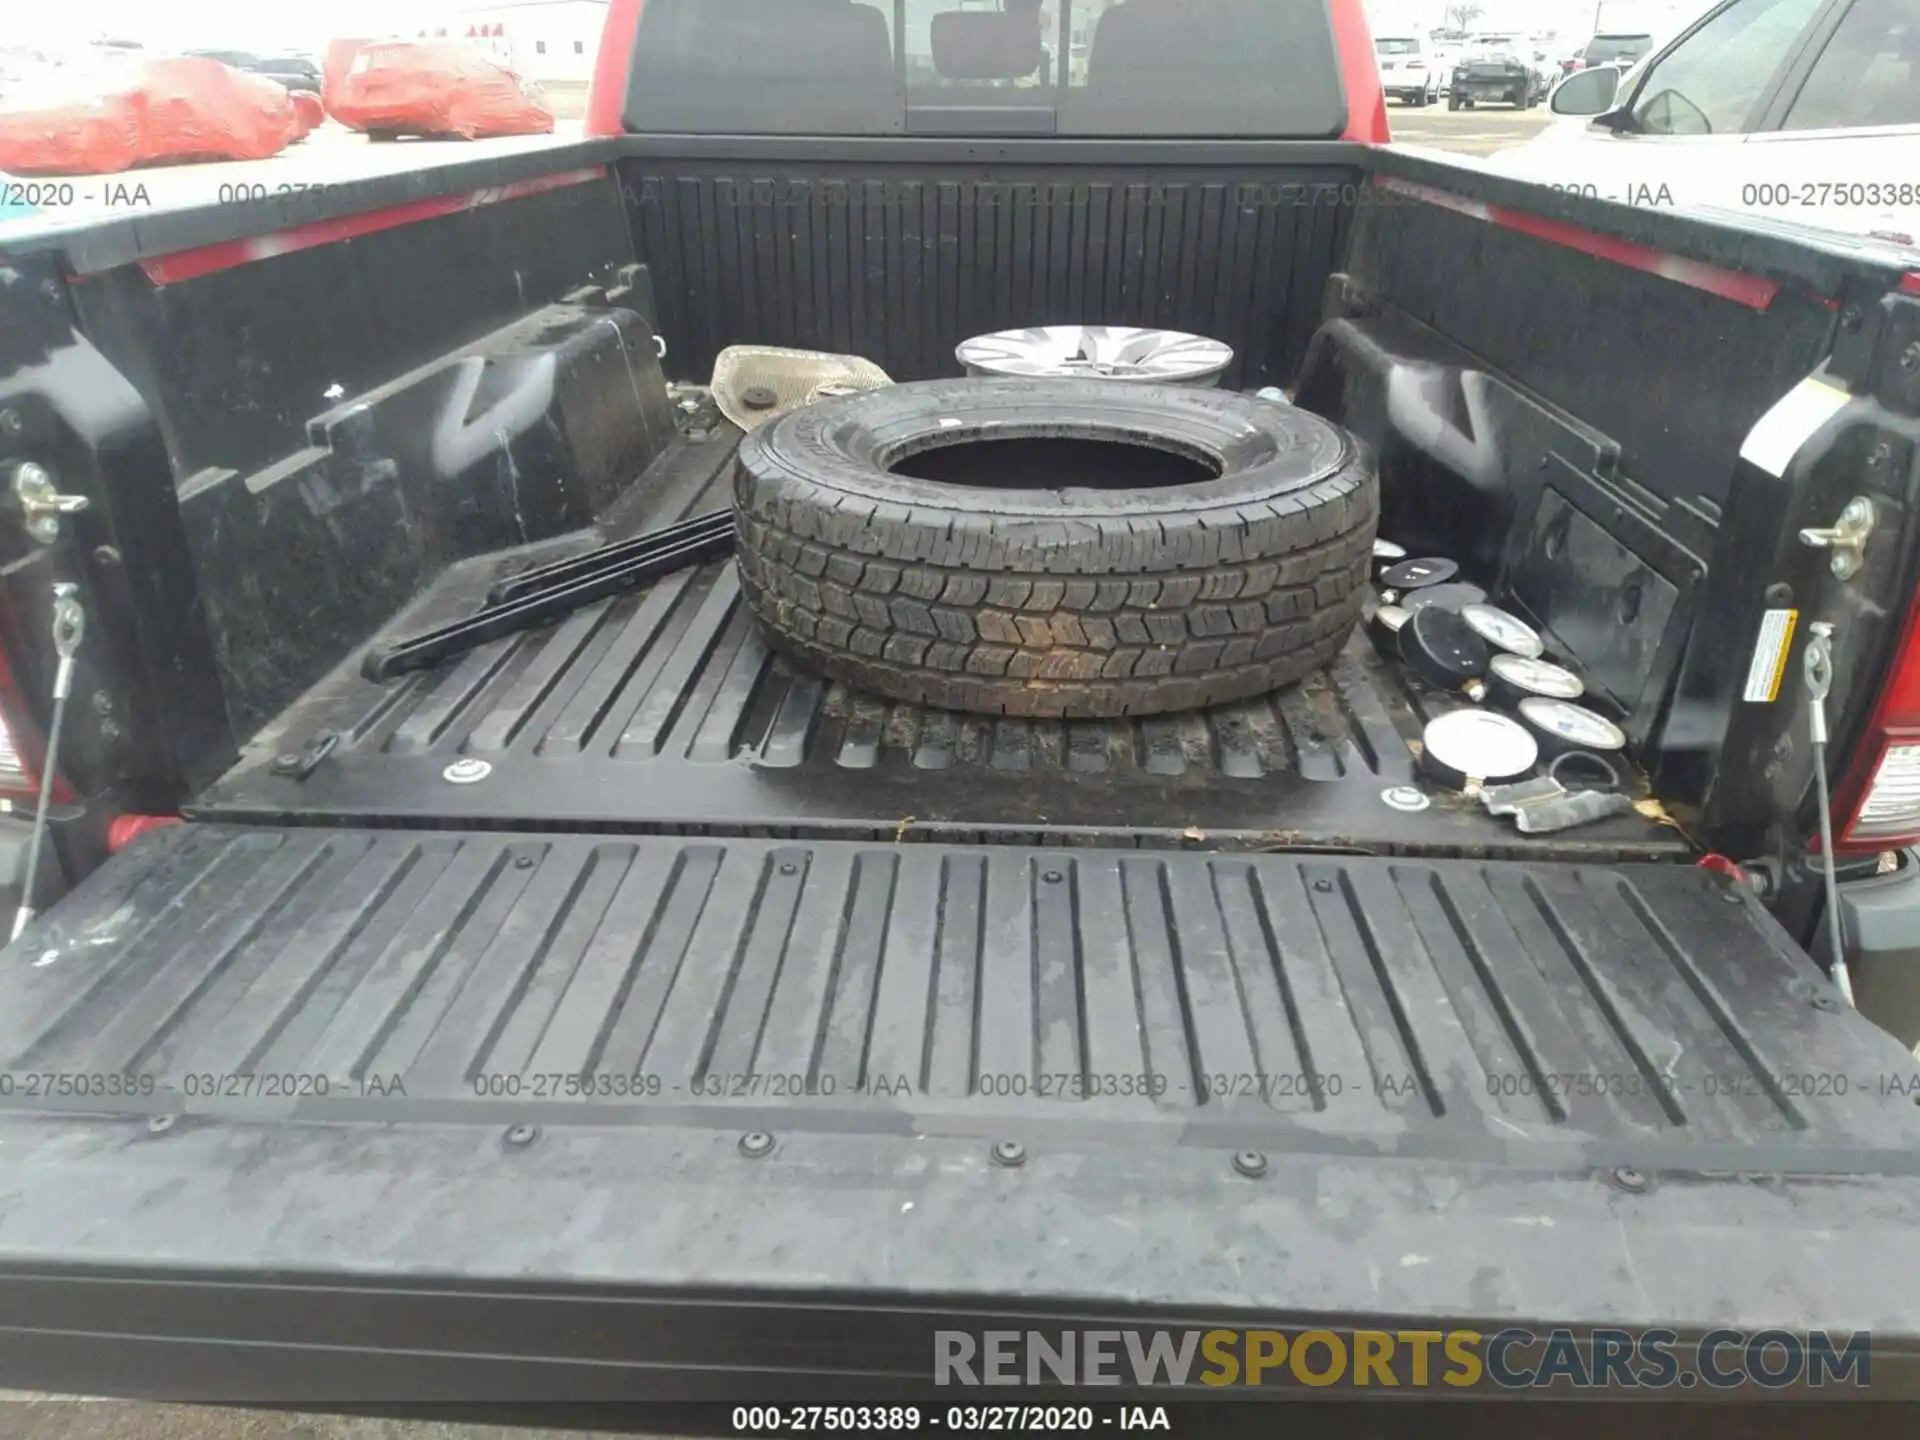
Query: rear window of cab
1252	68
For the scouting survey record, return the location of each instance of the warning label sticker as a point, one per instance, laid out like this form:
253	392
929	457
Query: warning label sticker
1770	653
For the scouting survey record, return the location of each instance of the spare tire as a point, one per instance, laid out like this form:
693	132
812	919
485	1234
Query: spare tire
1056	547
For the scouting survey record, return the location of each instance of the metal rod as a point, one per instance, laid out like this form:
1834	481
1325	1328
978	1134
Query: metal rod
25	912
69	625
1817	665
557	590
609	557
1834	938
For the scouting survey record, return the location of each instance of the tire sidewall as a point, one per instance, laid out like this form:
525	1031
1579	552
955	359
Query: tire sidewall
814	448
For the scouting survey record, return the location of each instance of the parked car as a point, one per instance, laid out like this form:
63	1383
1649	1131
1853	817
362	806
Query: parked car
616	1006
1786	108
1623	50
1408	70
1497	68
295	72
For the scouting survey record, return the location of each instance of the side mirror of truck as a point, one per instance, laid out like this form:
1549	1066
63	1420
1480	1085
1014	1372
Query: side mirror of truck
1587	92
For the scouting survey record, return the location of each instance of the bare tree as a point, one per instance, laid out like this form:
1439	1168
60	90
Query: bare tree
1460	16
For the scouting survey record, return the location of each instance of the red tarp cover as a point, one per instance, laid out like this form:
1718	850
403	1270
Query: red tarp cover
436	88
334	66
157	110
308	112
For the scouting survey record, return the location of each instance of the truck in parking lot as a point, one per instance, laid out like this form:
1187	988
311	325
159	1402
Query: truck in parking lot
621	1007
1623	50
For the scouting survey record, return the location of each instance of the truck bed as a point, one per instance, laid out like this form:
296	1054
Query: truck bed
709	1091
664	712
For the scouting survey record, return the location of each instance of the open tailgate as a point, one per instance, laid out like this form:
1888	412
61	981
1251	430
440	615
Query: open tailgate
506	1116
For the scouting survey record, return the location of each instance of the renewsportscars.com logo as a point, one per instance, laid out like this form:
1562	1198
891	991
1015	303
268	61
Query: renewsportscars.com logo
1510	1359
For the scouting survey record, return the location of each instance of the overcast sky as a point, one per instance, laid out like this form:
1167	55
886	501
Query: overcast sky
266	24
199	24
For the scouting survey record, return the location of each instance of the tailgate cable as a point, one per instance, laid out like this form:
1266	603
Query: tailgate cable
1818	663
69	626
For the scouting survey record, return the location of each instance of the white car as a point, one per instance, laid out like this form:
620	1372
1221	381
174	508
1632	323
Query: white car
1805	110
1408	70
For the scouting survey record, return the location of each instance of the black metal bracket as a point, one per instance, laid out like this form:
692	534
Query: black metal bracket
539	596
299	764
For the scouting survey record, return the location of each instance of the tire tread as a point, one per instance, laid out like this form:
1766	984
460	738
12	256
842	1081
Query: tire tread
1106	615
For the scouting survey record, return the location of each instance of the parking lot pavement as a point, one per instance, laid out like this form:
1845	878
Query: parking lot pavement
52	1419
1479	131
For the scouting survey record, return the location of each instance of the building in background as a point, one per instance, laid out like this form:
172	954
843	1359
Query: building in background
552	42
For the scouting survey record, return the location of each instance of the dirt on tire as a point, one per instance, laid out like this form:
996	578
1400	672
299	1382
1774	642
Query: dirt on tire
1042	581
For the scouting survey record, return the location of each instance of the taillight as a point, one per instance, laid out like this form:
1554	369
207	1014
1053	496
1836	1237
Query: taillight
1878	805
14	779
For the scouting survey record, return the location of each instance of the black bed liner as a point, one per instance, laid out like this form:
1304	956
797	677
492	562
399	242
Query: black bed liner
1456	1057
665	712
983	984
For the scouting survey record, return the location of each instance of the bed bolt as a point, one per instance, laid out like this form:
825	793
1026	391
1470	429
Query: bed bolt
787	867
106	557
1323	885
1633	1181
287	764
1250	1163
11	423
466	772
524	862
1826	1003
756	1143
1851	319
519	1137
1053	877
1009	1154
161	1124
1910	358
